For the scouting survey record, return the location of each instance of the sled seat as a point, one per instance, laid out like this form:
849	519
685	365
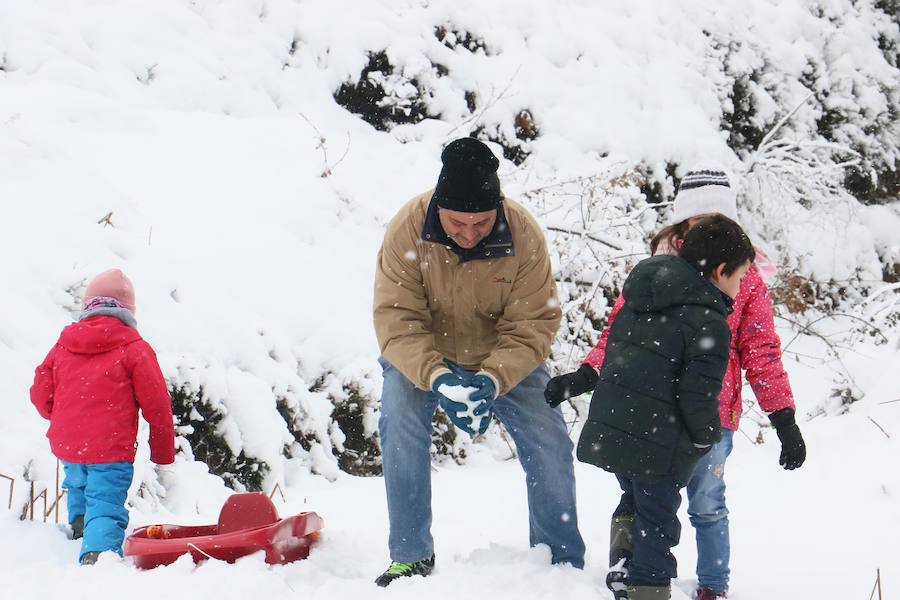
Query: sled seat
246	511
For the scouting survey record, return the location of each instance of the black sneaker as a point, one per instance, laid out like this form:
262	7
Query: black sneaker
89	558
401	569
77	526
615	580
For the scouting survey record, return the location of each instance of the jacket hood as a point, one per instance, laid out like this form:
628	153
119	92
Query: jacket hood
96	335
664	281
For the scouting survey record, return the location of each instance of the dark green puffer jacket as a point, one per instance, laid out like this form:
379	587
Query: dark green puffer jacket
657	392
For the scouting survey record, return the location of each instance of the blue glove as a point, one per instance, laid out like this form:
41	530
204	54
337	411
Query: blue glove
486	392
484	397
464	414
451	379
451	407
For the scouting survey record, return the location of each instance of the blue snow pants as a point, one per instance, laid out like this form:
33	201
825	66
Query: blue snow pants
98	491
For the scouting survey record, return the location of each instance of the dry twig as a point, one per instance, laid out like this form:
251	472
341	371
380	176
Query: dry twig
886	434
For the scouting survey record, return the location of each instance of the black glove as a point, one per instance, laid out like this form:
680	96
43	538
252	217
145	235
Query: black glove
563	387
793	449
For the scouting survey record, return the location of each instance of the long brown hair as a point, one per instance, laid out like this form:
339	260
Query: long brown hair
669	234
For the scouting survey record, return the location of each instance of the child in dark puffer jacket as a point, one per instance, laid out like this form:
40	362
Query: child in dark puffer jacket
90	386
654	411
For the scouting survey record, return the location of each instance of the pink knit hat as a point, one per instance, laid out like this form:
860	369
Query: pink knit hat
113	284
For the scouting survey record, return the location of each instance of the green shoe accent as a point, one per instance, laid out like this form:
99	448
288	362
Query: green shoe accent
402	569
399	568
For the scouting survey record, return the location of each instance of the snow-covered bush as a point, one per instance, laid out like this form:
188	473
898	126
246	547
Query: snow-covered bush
198	421
198	146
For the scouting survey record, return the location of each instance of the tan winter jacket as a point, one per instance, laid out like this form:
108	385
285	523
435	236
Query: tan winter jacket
496	315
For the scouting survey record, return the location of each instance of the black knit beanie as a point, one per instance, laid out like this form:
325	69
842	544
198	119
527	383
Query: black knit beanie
468	180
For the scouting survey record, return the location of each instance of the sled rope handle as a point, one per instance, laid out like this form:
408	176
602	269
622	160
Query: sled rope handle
201	551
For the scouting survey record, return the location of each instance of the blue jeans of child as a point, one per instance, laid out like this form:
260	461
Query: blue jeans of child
709	515
544	449
98	491
656	529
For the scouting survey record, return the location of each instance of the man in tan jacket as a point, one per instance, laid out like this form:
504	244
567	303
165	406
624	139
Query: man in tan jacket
465	312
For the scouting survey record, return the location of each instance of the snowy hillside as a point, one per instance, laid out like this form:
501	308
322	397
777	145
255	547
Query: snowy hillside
210	149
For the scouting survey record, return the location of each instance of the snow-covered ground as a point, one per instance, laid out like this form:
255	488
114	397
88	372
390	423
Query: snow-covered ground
185	142
818	532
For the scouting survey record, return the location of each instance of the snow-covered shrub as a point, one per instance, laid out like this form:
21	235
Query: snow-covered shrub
384	97
452	38
515	147
198	420
355	432
296	418
446	440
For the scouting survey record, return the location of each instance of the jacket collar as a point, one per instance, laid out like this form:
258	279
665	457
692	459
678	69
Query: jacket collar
498	244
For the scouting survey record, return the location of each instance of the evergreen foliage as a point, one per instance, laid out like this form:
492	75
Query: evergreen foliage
198	421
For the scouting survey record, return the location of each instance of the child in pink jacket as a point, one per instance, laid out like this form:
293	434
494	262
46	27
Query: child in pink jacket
90	386
755	348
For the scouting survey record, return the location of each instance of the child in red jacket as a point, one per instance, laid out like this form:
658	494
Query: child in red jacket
755	348
90	387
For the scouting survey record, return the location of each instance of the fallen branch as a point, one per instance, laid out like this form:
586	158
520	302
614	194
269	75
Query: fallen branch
106	220
886	434
877	585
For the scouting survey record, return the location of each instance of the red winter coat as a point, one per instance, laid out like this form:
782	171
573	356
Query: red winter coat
90	387
755	347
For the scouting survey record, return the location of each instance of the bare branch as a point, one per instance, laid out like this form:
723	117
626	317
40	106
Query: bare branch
614	244
322	145
476	116
106	220
886	434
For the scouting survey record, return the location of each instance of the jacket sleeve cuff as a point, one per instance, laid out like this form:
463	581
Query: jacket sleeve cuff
782	418
163	457
435	374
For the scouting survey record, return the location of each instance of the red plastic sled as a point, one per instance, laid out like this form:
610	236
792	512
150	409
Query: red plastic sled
248	523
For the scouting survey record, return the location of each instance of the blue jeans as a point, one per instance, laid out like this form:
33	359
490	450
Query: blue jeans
544	449
709	515
98	492
656	529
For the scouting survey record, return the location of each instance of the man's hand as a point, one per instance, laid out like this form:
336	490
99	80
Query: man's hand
793	448
569	385
455	397
483	399
450	379
487	389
